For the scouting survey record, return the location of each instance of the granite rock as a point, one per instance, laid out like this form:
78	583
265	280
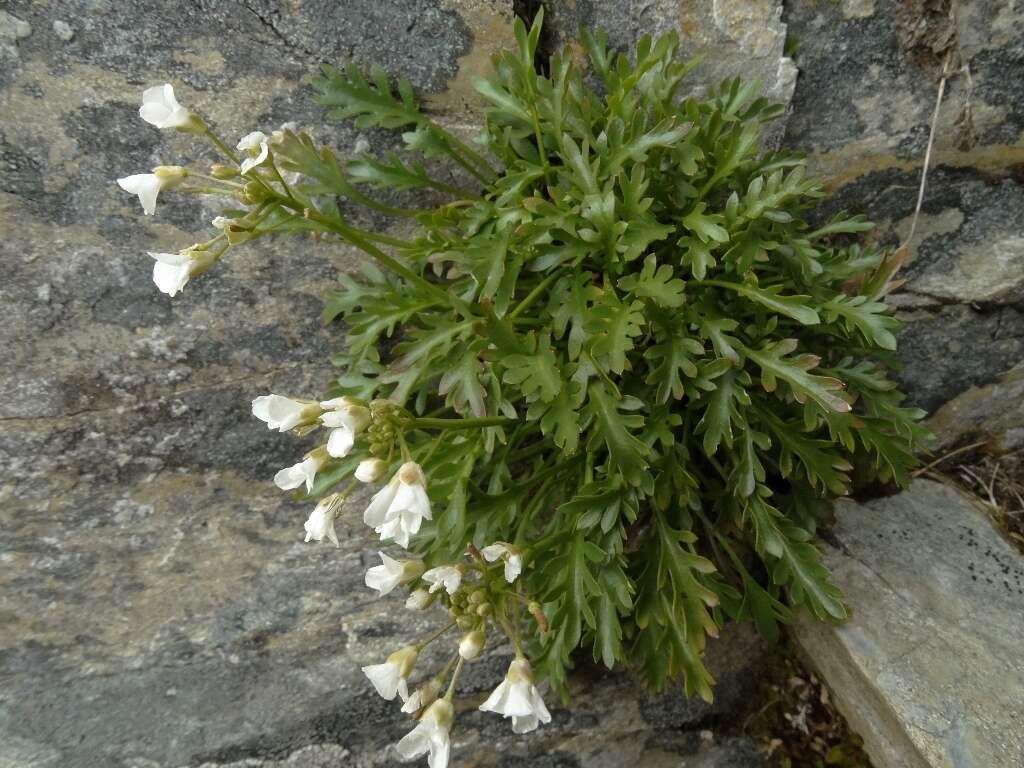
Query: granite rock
928	670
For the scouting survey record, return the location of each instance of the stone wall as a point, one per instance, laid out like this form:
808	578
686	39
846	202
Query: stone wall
157	607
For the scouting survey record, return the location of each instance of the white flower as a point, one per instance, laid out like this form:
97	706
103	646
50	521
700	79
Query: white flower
255	144
283	413
447	576
423	696
303	472
398	509
513	560
370	470
160	108
418	600
391	677
346	418
517	697
385	577
148	185
221	222
472	644
431	734
320	524
173	270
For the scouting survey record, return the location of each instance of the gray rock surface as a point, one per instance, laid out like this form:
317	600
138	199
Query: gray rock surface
157	606
929	669
869	72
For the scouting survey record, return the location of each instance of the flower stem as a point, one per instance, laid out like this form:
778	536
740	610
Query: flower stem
424	643
533	295
450	693
224	148
429	423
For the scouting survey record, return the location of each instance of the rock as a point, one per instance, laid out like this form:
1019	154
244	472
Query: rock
157	605
863	105
63	30
928	670
992	412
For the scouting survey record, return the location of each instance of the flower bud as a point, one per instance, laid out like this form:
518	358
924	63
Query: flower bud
255	191
222	171
478	596
465	622
484	609
472	644
169	174
419	599
370	470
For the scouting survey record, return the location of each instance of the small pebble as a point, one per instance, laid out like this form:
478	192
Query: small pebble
63	30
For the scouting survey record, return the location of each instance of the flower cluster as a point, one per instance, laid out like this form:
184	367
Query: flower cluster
250	177
480	595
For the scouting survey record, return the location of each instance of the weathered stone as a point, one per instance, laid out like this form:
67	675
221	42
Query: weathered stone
157	605
993	412
928	670
863	105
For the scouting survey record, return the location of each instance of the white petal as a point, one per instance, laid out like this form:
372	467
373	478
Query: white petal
414	744
170	278
385	577
493	552
370	470
376	512
161	109
251	141
385	678
524	724
495	702
340	442
251	162
513	567
440	751
294	476
146	185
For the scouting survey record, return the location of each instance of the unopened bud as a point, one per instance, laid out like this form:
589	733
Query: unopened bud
222	171
169	174
478	597
370	470
465	622
484	609
472	644
419	599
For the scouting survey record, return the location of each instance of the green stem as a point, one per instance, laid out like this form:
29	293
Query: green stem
456	143
450	693
424	643
429	423
533	295
224	148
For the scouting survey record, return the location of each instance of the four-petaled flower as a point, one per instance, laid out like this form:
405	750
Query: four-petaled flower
283	413
148	185
345	418
303	472
431	734
398	509
255	145
447	576
499	550
392	677
320	524
160	108
517	697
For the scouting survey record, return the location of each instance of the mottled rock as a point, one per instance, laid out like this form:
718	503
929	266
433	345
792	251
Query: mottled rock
863	105
928	670
157	605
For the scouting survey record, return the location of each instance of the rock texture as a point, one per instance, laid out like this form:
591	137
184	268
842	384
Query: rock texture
869	73
929	669
157	606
